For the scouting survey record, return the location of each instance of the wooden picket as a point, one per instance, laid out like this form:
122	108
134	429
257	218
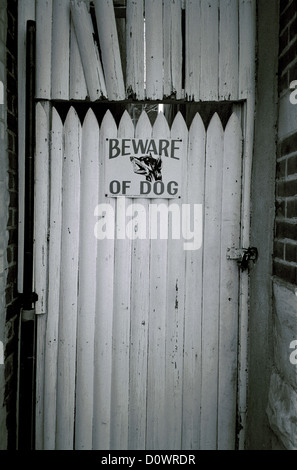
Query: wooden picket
88	51
140	335
135	49
139	319
44	11
68	283
193	295
52	324
60	50
209	71
87	284
211	281
228	322
108	38
104	309
77	83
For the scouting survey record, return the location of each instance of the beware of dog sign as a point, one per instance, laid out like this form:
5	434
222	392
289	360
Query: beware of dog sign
143	168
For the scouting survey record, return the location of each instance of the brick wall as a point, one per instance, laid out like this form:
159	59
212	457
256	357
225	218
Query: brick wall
285	249
281	408
9	304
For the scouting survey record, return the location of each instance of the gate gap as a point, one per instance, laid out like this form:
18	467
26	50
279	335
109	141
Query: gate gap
135	108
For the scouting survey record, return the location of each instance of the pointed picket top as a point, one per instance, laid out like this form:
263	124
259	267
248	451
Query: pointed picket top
233	126
90	121
126	126
161	127
143	125
179	125
197	124
56	119
215	124
71	117
108	123
40	112
90	144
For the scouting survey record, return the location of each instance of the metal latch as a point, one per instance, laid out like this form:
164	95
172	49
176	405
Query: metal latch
243	256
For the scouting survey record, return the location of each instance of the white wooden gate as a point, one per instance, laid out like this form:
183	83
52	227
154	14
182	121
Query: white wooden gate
138	347
141	344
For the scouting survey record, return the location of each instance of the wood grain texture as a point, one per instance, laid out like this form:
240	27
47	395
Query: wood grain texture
109	45
89	177
154	49
211	283
44	12
60	50
135	49
229	288
54	263
68	283
89	52
104	308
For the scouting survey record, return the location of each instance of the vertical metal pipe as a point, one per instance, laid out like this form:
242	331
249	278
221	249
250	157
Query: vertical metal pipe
27	339
29	166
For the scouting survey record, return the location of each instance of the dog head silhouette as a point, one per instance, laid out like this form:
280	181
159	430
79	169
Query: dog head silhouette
149	166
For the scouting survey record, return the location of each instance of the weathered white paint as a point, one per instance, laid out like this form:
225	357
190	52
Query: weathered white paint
41	176
229	285
209	50
87	284
60	49
44	11
88	50
193	49
41	267
156	397
139	321
135	352
121	317
175	311
104	311
77	82
154	48
110	50
193	294
172	46
68	283
247	47
219	50
54	260
135	48
211	277
228	55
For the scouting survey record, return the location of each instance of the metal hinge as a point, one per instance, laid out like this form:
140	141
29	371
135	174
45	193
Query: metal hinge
243	256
